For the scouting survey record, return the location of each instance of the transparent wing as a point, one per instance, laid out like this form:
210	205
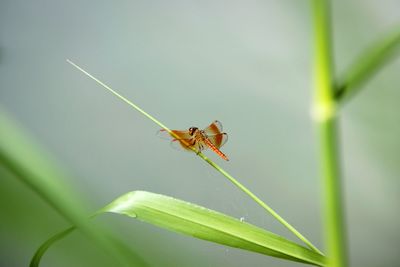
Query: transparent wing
181	141
186	144
214	128
218	140
164	134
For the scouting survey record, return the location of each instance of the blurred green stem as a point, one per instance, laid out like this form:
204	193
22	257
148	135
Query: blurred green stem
325	117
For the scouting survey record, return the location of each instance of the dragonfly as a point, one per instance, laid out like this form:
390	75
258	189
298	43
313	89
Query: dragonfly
197	140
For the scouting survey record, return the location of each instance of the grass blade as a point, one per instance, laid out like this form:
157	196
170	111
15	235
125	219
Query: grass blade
367	64
34	168
190	219
43	248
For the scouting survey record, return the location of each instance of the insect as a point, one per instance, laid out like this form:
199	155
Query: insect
198	140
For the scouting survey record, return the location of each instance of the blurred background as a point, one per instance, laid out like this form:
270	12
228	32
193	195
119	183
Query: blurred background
245	63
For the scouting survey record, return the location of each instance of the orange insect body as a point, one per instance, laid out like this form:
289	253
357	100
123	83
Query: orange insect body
198	140
216	150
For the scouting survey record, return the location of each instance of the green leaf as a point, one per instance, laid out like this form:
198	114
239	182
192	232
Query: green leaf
190	219
33	167
367	65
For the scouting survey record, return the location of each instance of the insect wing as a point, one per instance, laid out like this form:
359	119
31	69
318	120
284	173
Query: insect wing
180	140
214	128
164	134
184	144
218	140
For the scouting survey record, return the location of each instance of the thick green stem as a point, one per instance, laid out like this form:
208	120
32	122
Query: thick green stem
333	207
325	117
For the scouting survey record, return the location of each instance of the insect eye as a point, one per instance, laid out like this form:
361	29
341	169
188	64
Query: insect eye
191	130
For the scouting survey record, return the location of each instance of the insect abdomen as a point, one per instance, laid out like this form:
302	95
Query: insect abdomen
216	150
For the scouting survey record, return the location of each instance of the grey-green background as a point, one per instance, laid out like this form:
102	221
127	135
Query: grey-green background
245	63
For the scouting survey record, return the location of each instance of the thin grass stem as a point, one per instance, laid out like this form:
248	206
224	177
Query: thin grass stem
213	164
